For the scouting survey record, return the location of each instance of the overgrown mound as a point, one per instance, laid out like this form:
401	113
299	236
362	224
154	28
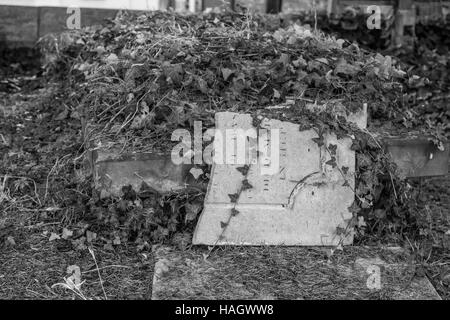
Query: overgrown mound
137	79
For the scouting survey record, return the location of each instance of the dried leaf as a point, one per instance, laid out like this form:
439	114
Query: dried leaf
54	236
116	241
173	72
63	115
111	59
361	222
379	213
276	94
66	234
344	68
192	210
74	278
226	73
90	236
10	240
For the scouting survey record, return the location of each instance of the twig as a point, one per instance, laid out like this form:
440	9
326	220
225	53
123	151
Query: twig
41	225
298	184
110	266
91	251
50	172
393	185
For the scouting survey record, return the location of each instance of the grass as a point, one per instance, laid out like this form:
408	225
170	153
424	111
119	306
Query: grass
38	198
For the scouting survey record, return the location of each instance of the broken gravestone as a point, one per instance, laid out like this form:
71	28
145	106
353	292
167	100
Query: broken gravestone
299	195
112	171
419	156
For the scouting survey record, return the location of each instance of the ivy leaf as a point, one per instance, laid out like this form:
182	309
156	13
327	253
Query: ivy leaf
319	141
243	170
246	185
340	135
332	162
256	122
344	169
196	172
202	85
354	208
233	197
234	212
340	231
332	148
223	225
355	146
346	184
366	204
364	161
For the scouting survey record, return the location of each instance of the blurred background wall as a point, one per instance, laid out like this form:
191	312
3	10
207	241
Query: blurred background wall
22	22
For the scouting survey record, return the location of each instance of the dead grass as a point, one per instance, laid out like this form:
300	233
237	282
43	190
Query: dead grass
435	254
280	273
30	268
37	197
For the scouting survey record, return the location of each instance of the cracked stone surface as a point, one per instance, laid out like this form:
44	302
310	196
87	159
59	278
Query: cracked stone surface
300	202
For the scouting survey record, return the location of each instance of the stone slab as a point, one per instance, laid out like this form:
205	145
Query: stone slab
302	203
287	274
418	157
112	171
